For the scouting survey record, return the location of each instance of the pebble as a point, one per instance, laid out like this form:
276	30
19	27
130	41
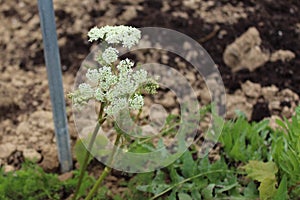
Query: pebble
32	155
8	168
6	150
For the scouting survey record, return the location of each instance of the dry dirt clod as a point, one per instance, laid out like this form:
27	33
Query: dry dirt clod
32	155
50	160
282	55
129	13
65	176
245	52
269	92
252	90
8	168
6	150
238	102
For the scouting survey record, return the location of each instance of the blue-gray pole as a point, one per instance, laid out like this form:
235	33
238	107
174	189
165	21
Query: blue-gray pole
53	65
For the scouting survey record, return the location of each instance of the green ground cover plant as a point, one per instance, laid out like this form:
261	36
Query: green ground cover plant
265	172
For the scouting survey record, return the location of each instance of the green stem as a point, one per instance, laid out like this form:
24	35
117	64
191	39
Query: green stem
100	121
106	171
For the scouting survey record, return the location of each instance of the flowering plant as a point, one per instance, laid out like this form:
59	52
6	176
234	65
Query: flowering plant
115	86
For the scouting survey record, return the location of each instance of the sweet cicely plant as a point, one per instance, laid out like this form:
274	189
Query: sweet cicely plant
116	86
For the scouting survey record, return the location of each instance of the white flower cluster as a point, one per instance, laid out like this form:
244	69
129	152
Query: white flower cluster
110	55
125	35
118	91
122	87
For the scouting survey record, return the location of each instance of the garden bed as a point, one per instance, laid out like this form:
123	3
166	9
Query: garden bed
269	90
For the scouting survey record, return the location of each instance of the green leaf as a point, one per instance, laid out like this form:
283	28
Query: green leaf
265	174
228	187
196	194
251	191
183	196
80	152
207	192
282	190
267	189
189	165
259	170
156	186
175	177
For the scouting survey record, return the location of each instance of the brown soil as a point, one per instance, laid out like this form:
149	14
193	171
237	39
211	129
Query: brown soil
269	89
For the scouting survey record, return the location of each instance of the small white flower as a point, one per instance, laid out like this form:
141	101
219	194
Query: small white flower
125	67
116	106
82	95
86	91
140	76
95	34
93	75
99	95
136	102
107	78
110	55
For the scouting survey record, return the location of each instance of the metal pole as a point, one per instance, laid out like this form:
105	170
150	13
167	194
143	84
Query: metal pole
54	73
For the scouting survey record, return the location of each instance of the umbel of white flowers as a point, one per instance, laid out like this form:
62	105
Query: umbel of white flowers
121	86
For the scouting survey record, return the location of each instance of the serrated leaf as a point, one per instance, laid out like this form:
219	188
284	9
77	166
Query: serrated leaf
265	174
259	170
183	196
267	189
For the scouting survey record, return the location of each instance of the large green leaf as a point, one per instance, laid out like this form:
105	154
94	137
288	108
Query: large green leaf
265	174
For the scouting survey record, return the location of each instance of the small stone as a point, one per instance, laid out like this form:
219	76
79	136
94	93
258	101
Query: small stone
205	96
164	59
32	155
158	115
168	100
129	13
33	139
8	168
23	128
272	121
65	176
251	89
190	76
236	102
274	105
287	93
282	55
175	111
286	112
269	92
6	150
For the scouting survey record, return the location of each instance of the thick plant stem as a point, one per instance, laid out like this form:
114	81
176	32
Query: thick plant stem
93	191
105	172
100	121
